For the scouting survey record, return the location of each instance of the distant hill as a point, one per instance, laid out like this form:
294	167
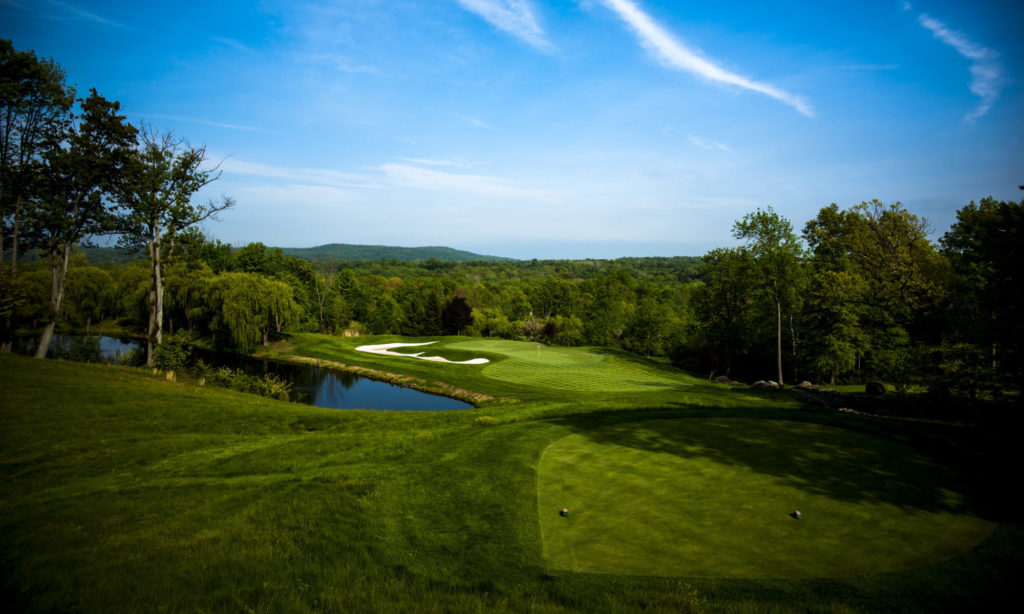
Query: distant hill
342	251
327	253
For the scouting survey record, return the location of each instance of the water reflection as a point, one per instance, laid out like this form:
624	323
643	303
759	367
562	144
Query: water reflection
310	385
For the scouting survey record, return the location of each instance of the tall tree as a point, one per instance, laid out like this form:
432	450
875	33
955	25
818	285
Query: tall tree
156	204
882	255
777	251
82	164
34	102
723	307
457	315
985	247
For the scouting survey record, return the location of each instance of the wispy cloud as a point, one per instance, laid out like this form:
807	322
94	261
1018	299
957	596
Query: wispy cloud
203	122
513	16
307	176
234	44
674	54
476	122
411	173
986	74
79	12
708	144
338	62
868	67
453	162
482	185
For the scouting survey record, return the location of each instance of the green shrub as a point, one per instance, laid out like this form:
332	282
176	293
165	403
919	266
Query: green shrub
173	353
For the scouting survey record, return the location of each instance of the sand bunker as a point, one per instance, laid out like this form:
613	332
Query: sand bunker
385	350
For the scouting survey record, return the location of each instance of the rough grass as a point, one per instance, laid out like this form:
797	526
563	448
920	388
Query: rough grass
124	492
712	497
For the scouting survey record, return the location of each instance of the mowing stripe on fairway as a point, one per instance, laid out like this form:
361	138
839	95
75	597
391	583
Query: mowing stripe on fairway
573	369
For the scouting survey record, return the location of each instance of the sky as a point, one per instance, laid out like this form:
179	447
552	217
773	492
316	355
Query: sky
557	128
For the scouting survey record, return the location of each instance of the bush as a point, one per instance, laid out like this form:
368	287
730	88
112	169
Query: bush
274	387
173	353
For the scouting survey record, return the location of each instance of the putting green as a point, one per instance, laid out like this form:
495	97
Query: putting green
712	497
573	369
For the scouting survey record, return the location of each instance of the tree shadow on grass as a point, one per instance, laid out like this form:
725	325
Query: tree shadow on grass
825	459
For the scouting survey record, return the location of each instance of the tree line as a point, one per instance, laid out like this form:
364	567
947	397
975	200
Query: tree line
855	294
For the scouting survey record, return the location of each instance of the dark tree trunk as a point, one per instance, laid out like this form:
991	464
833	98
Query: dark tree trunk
778	305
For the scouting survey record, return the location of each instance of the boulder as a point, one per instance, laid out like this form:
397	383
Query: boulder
876	388
806	384
763	385
723	379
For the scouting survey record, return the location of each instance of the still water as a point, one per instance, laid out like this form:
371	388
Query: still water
310	385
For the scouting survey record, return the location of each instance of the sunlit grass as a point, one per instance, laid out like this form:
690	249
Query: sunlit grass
712	497
121	491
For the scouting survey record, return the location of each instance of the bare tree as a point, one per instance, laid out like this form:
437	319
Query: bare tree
156	205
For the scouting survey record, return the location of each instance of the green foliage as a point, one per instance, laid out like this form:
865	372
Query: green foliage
173	353
984	249
249	306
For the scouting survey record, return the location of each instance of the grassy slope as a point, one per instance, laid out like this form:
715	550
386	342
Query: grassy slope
122	491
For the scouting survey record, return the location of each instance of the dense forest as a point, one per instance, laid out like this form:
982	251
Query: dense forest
856	293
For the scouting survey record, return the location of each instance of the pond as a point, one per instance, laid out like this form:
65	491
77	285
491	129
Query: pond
309	384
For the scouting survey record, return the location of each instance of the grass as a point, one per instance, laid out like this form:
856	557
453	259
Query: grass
712	497
120	491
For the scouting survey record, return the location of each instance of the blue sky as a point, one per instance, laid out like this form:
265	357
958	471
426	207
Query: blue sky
558	128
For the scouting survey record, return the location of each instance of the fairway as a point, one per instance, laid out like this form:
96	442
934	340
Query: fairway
572	369
712	497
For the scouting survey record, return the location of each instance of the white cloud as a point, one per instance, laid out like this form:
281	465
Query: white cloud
476	122
204	122
80	12
513	16
482	185
708	144
674	54
986	74
397	175
453	162
230	42
319	176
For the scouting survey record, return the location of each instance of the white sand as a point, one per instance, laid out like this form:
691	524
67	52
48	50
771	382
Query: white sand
384	350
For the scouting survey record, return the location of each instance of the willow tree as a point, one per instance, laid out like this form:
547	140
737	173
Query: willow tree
777	251
156	205
249	306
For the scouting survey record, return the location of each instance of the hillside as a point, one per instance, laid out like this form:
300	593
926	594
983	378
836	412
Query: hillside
344	251
331	252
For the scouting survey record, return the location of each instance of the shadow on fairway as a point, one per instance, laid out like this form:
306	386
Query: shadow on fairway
842	464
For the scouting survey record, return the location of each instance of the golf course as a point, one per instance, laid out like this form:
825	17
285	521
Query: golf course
584	480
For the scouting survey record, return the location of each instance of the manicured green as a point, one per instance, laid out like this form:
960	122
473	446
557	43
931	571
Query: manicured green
713	497
121	491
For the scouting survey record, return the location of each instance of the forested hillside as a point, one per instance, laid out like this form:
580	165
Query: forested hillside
344	251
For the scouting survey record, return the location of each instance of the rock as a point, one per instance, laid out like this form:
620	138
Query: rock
723	379
876	388
763	385
806	384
